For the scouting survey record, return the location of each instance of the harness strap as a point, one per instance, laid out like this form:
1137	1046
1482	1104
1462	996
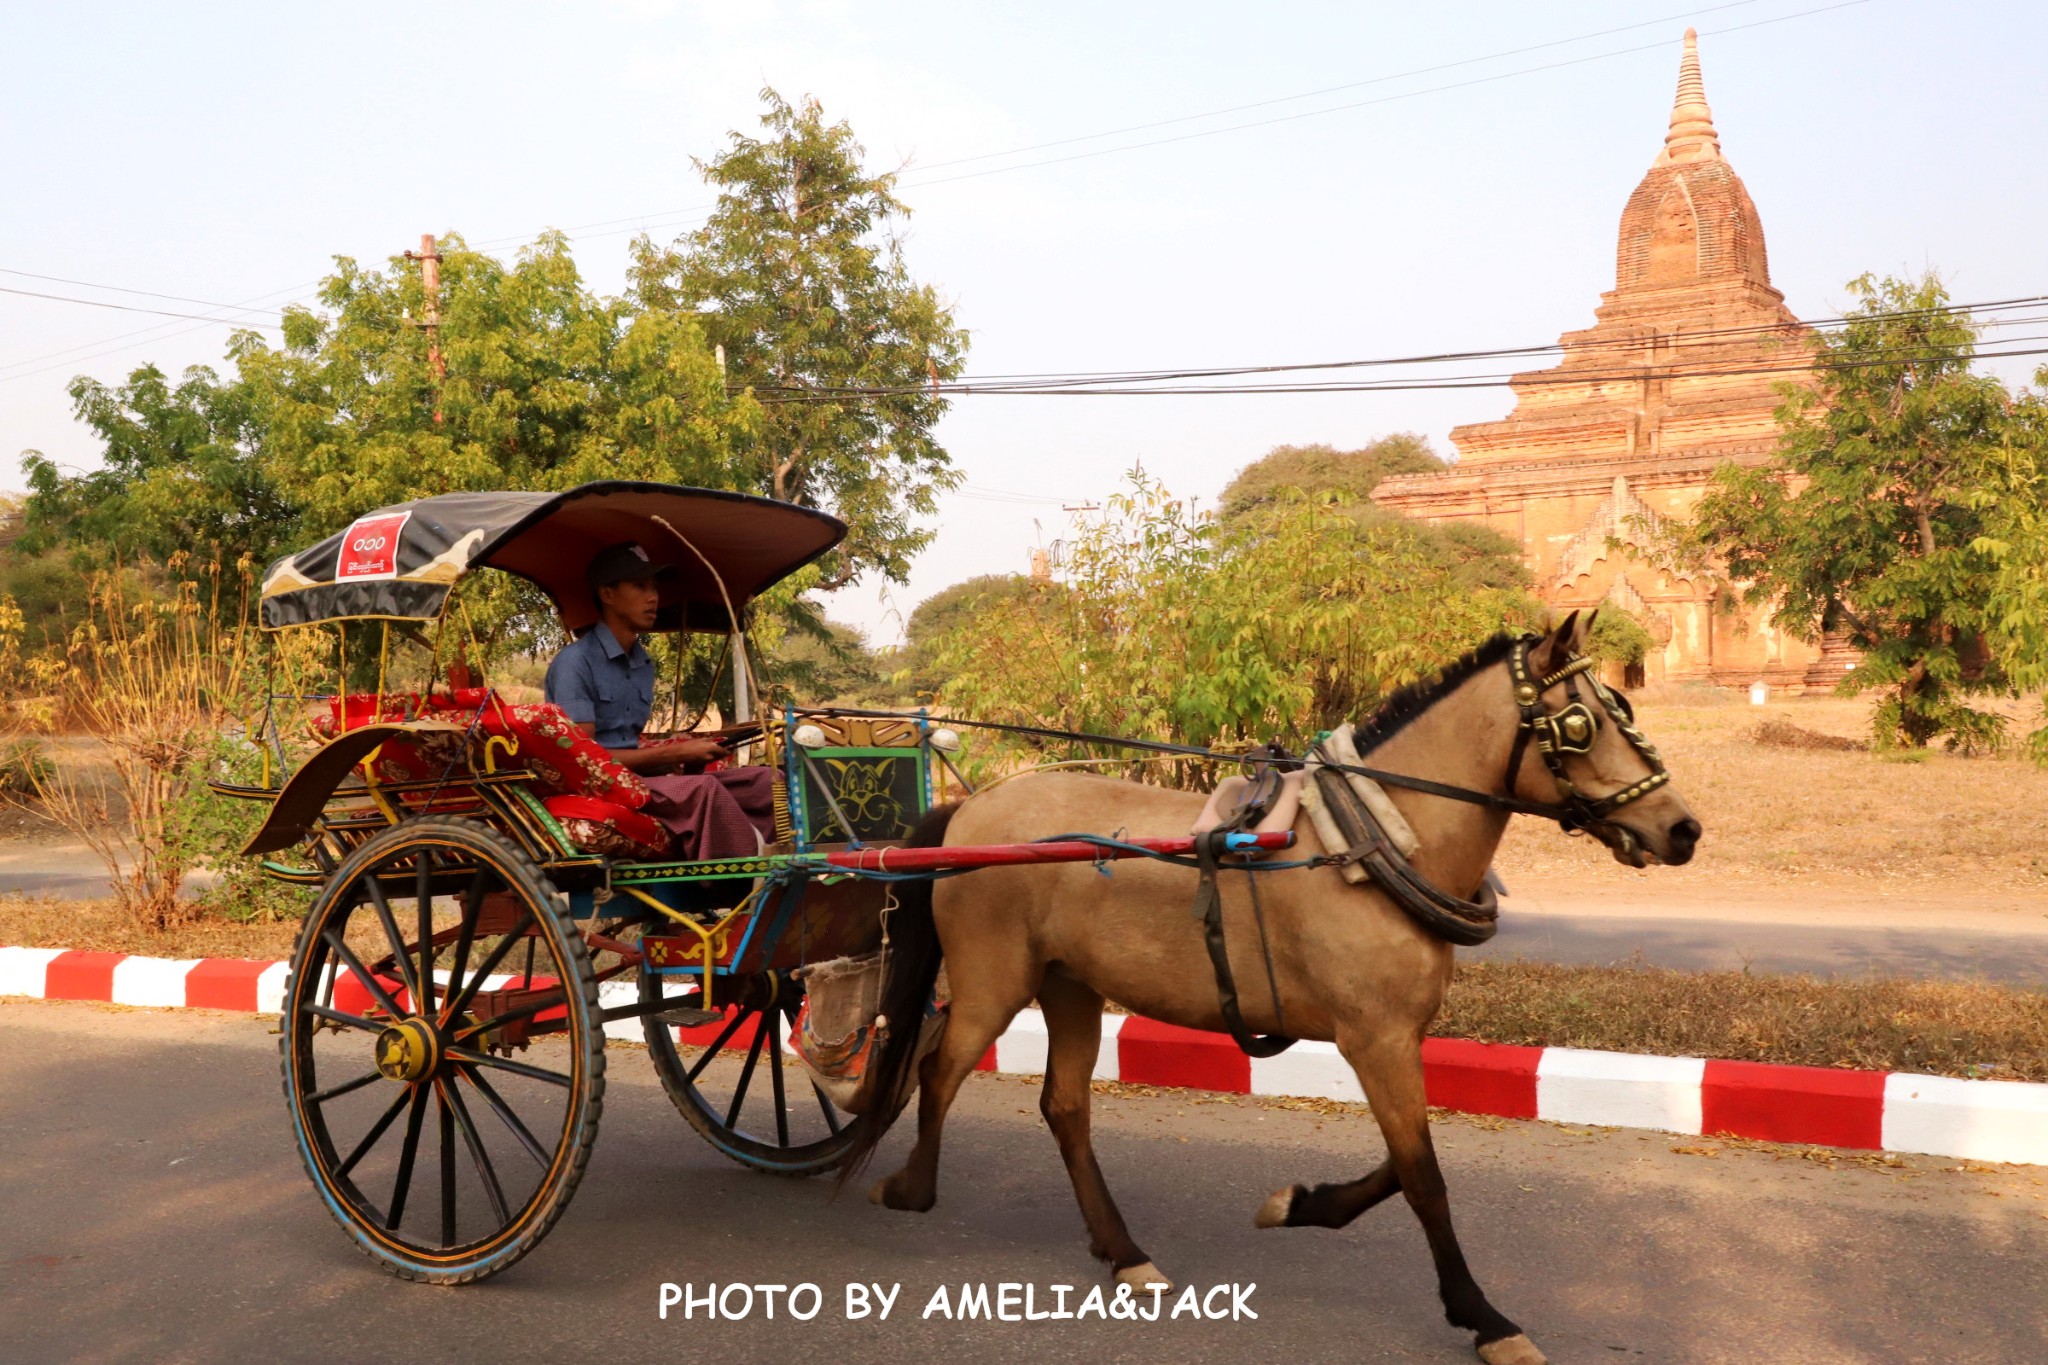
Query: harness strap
1454	919
1209	910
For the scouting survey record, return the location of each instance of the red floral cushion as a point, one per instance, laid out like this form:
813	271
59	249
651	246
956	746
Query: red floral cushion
552	746
602	827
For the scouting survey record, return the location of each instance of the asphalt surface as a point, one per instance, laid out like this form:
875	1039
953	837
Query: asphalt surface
152	1209
2011	949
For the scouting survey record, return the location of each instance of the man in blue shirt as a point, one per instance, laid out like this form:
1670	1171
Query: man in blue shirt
604	681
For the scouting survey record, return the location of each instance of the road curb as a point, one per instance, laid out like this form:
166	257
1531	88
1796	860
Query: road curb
1866	1110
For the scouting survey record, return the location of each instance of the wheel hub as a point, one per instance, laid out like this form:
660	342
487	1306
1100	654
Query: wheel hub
409	1050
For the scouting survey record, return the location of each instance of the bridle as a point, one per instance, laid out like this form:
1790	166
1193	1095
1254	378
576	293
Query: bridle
1571	730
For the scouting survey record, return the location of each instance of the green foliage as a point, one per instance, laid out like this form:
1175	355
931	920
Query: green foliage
206	830
1472	555
943	613
1618	637
1320	468
1868	520
182	468
826	663
1169	626
800	278
2013	501
25	769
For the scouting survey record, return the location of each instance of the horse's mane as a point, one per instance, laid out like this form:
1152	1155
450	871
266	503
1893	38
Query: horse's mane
1395	713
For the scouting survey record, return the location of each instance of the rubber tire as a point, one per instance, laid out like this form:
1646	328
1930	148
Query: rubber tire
525	877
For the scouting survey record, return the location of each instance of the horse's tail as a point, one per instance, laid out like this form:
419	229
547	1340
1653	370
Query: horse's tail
913	969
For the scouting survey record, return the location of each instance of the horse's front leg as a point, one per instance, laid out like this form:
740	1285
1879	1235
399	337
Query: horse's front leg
1390	1071
1327	1206
1073	1027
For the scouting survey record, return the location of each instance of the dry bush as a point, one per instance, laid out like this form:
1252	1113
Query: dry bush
1779	733
154	680
1946	1028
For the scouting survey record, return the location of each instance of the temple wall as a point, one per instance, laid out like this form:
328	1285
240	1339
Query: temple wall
1621	437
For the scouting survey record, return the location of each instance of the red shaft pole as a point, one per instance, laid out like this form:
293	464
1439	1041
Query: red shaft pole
1000	855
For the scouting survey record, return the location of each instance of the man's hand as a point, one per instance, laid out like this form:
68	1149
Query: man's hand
696	750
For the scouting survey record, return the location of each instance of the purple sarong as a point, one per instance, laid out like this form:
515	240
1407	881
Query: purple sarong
725	814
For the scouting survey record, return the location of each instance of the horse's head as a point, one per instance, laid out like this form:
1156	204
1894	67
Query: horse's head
1578	748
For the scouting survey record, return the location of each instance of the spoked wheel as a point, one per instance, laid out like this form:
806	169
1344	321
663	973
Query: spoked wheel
736	1085
443	1060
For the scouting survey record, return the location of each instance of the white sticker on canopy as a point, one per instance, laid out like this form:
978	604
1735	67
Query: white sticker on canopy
369	548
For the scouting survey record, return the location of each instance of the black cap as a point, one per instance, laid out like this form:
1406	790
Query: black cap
621	564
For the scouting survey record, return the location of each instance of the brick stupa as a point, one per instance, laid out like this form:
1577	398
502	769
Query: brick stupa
1602	451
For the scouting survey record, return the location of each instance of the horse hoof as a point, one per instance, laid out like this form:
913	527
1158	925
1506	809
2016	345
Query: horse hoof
1144	1276
1514	1350
878	1194
1276	1210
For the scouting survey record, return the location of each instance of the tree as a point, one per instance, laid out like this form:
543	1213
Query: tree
945	611
547	385
1868	519
2014	505
1170	626
181	470
1474	556
800	279
1319	467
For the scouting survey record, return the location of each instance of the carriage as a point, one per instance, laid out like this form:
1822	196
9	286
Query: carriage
493	903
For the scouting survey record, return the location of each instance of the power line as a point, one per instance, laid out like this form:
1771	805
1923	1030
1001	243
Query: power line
686	217
1060	382
1362	104
1329	89
117	289
69	356
135	308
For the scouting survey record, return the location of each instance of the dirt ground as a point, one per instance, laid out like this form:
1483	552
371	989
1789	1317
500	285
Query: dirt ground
1812	828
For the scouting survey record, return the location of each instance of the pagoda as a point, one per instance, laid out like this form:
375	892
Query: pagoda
1607	449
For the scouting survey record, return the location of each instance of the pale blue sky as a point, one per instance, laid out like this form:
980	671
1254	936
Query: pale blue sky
227	151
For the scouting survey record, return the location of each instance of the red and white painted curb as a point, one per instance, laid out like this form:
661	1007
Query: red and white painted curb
1869	1110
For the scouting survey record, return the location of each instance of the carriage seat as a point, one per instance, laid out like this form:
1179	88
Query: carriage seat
562	759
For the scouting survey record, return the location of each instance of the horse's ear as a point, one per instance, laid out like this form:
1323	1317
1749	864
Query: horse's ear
1549	652
1583	631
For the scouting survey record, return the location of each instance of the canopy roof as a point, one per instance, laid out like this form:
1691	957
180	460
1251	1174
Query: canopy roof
401	562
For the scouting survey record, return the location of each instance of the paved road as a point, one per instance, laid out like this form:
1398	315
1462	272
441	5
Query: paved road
154	1210
2009	948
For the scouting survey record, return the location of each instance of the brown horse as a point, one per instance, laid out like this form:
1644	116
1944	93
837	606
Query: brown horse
1349	964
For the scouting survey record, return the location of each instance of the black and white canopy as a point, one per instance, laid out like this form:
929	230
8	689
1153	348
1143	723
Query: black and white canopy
401	562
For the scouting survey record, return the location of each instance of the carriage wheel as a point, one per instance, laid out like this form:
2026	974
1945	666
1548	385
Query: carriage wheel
443	1061
738	1088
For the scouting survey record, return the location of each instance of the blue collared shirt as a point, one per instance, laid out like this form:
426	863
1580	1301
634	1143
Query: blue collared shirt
599	682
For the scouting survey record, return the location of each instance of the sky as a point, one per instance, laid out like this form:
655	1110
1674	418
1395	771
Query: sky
1456	184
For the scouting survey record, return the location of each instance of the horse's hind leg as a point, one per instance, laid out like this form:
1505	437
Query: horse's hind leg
1390	1070
1073	1027
972	1026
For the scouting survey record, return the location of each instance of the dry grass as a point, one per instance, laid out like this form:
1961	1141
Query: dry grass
102	926
1786	814
1945	1028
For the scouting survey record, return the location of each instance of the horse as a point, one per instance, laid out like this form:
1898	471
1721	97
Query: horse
1335	961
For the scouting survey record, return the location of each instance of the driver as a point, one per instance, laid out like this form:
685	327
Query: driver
604	682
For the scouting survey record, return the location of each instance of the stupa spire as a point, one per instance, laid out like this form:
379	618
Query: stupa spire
1691	136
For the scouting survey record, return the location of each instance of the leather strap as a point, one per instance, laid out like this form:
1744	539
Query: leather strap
1209	909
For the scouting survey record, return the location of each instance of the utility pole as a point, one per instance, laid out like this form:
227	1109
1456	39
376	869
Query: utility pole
430	315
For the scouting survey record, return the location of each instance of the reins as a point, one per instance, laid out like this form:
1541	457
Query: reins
1567	731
